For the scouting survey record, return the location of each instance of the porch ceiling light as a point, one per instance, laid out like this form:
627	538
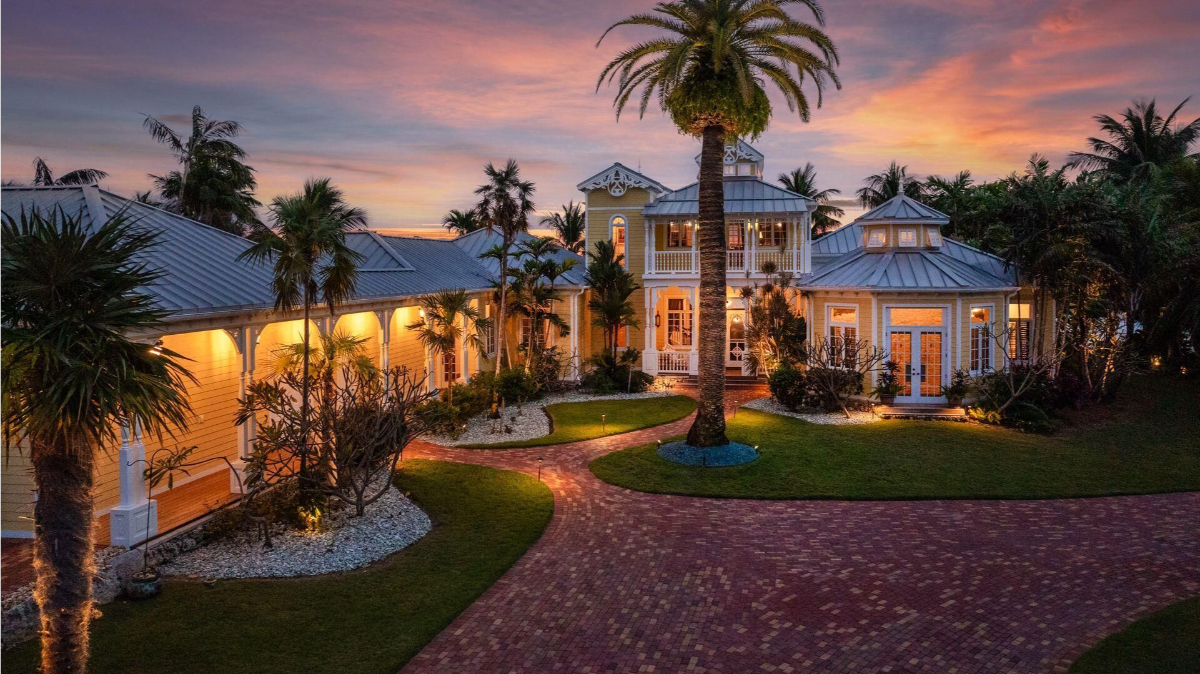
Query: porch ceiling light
156	349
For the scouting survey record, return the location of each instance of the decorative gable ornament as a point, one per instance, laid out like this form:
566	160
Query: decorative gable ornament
738	150
618	180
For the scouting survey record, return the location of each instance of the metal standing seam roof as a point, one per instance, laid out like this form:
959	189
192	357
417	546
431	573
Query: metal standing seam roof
904	270
201	272
476	243
903	210
741	196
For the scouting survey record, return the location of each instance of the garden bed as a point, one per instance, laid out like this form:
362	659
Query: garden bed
812	414
344	542
527	422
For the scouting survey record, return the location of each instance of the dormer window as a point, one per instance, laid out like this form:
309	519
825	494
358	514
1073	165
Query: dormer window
878	239
745	169
908	238
935	238
730	169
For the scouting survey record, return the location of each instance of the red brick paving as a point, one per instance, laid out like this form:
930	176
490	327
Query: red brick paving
630	582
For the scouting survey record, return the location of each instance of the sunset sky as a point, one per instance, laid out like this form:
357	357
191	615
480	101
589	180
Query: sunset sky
402	103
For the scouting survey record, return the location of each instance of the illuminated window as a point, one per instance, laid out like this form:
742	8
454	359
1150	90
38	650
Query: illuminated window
622	337
915	316
981	340
679	235
1020	321
616	228
878	239
730	170
679	323
843	336
450	365
490	333
908	238
771	234
527	333
735	235
935	238
745	169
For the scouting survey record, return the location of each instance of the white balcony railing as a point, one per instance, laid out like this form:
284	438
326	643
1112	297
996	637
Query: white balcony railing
676	262
674	362
688	262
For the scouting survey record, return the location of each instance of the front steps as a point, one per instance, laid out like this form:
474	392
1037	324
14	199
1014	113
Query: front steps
738	381
925	412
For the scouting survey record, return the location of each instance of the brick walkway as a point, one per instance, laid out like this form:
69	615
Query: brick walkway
630	582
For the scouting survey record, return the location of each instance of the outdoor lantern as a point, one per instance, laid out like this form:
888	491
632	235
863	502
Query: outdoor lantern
539	460
657	320
603	417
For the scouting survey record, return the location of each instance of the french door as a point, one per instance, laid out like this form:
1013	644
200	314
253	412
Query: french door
735	337
919	353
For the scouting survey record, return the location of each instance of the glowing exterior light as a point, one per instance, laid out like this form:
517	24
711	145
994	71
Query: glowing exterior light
157	348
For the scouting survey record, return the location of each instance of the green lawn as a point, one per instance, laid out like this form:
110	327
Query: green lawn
368	621
1161	643
572	422
1148	441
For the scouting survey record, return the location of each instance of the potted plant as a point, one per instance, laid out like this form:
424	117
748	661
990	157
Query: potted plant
960	386
887	384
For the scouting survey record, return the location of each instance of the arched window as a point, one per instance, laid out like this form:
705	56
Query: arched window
616	231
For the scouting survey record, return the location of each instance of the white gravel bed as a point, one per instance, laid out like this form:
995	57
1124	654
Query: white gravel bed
527	423
18	595
815	416
347	542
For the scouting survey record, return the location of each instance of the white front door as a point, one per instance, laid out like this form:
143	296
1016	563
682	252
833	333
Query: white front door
735	337
920	353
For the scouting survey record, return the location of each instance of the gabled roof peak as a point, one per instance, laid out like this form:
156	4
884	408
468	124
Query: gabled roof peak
904	210
618	179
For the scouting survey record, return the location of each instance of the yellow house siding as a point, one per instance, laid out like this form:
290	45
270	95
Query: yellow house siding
16	489
363	324
404	349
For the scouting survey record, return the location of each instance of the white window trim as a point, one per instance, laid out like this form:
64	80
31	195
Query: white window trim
991	345
686	317
933	231
830	323
900	238
624	223
871	243
948	334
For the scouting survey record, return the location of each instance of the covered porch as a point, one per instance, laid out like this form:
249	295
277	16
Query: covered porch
671	341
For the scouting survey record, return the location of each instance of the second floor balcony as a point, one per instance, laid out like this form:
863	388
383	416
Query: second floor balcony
750	243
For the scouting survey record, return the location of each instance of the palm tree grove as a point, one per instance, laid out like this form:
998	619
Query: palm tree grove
366	337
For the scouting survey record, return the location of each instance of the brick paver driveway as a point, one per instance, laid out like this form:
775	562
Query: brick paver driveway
629	582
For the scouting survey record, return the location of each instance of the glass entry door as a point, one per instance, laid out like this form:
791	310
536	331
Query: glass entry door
735	337
918	352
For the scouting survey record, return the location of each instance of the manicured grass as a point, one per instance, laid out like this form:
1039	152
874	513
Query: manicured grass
1148	441
1161	643
367	621
572	422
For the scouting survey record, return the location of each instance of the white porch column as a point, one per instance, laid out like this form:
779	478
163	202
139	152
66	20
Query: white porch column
385	336
752	246
695	229
693	295
574	326
464	352
134	516
650	352
245	340
794	243
651	228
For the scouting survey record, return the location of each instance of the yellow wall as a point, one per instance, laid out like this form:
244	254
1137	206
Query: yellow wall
363	324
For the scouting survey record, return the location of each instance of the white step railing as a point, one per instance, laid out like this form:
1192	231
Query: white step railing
674	362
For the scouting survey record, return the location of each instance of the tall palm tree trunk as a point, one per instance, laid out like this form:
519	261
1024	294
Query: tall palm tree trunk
62	556
708	429
502	312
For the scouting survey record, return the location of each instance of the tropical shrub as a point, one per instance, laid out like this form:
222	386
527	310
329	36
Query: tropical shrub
831	386
514	386
609	374
959	388
995	403
789	387
887	384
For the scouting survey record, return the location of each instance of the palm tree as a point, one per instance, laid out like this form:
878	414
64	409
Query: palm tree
707	69
611	285
568	225
311	262
449	316
505	202
892	181
212	185
954	196
71	376
1139	143
43	177
803	181
461	222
